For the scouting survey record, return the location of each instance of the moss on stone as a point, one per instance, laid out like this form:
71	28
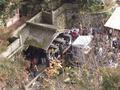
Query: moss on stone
35	43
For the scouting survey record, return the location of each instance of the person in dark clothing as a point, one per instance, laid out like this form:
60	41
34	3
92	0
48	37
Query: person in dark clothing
57	54
74	35
93	32
33	68
114	44
61	50
85	31
44	59
34	71
24	10
33	63
110	34
47	59
70	55
36	56
118	43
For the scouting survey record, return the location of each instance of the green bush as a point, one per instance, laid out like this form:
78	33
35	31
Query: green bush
110	78
95	7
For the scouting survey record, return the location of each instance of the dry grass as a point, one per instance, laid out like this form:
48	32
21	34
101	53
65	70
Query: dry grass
4	35
12	72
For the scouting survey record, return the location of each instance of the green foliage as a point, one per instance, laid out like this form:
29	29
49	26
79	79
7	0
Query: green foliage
72	76
7	9
2	2
91	5
11	72
81	79
95	7
111	78
49	5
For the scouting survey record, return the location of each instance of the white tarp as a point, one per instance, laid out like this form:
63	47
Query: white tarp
114	20
82	41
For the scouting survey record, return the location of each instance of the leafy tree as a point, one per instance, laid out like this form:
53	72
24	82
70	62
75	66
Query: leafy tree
7	7
91	5
51	4
2	2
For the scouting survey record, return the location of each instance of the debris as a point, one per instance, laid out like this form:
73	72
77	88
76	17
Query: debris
67	80
55	66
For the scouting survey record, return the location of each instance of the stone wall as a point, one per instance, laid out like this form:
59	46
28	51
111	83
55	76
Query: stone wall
61	16
42	35
61	22
47	18
37	18
24	33
59	19
68	16
42	17
11	48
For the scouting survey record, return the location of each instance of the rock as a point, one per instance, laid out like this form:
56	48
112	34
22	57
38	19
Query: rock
67	80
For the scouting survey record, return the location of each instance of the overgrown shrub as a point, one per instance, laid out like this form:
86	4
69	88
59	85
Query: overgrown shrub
110	78
3	40
12	72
